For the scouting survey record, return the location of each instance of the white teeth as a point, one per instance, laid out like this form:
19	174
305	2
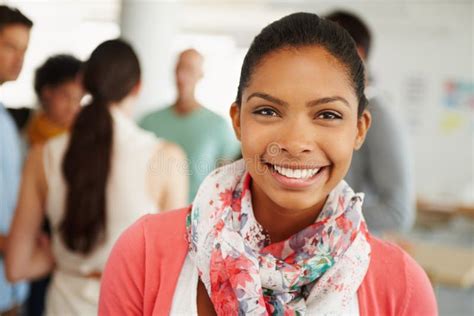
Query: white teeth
296	173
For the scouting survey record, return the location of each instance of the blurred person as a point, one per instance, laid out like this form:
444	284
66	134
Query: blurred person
91	183
14	37
278	232
205	136
59	91
382	167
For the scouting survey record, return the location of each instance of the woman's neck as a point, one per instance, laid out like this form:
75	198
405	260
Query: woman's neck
281	223
125	106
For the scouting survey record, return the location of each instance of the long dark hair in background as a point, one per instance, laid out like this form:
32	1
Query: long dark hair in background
109	75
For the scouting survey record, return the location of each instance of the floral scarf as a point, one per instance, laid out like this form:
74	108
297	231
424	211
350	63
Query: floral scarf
323	264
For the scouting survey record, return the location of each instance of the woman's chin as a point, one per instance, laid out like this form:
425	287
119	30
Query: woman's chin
294	202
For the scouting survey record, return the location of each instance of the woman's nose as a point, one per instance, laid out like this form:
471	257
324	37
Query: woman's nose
296	138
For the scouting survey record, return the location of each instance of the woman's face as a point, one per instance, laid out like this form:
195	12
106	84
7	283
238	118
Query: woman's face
298	126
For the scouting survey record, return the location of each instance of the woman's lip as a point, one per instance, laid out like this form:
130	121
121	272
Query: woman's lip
299	183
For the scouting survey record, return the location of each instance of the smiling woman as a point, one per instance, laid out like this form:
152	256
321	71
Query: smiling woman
278	232
300	102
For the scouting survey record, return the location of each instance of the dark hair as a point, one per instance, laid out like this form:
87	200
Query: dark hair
110	74
10	16
301	30
355	26
56	70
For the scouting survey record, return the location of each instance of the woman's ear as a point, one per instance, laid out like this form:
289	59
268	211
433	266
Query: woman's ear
363	125
235	117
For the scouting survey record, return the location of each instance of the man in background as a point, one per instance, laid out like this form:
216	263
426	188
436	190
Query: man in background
14	37
59	89
382	167
205	136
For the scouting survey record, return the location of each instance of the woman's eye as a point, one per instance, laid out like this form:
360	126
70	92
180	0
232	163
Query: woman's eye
266	112
329	116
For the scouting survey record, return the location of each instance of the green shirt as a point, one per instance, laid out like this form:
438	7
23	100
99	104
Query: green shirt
204	136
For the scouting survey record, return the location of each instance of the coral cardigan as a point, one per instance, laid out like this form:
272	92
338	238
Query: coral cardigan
144	266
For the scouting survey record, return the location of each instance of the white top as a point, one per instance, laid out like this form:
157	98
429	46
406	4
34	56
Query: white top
128	198
185	296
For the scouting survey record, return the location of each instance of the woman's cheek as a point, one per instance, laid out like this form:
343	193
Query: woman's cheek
255	139
339	149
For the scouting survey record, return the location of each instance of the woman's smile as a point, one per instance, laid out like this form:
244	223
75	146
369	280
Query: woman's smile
298	176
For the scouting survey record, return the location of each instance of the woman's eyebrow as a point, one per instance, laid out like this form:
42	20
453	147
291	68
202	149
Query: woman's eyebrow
268	98
327	100
312	103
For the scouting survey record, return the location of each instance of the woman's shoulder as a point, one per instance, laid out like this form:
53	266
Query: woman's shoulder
387	249
164	225
387	257
144	265
151	235
169	150
395	283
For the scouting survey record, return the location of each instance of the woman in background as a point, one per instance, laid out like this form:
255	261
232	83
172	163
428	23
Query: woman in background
91	184
279	232
58	86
